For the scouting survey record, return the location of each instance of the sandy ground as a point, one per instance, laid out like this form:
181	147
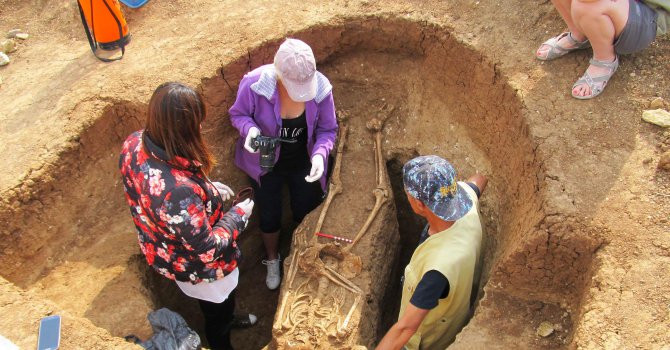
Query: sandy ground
578	207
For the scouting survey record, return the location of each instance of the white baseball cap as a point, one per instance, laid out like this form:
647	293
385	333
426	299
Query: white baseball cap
296	68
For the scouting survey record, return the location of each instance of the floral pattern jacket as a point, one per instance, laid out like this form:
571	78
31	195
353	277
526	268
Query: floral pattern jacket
182	229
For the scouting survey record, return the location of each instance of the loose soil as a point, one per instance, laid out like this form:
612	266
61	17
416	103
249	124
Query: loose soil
576	215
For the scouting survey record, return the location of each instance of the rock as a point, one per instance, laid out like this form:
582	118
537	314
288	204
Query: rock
8	46
23	36
659	117
545	329
4	59
12	33
664	162
657	103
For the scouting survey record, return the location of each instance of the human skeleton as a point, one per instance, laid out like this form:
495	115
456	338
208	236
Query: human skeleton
327	304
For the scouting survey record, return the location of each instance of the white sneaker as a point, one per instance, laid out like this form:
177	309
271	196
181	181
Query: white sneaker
273	277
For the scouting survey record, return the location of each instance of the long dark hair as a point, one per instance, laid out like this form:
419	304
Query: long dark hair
173	123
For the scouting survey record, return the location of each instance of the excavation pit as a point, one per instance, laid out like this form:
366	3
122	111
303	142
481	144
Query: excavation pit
73	238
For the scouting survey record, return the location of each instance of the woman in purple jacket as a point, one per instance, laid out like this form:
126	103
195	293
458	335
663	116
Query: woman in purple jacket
293	101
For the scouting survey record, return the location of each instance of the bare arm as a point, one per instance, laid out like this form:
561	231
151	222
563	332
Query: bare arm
404	329
480	181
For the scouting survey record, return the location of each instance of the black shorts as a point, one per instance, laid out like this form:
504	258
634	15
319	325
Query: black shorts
304	197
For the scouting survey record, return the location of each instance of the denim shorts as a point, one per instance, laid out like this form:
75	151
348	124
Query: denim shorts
640	29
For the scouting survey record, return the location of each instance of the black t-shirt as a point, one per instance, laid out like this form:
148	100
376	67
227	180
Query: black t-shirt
293	156
433	285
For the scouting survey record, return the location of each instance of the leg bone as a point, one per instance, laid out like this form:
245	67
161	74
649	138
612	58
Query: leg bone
335	182
342	281
342	330
381	192
381	195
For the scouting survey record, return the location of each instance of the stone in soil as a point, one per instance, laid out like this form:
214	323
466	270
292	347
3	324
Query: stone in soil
657	103
4	59
545	329
8	46
664	162
658	117
23	36
12	33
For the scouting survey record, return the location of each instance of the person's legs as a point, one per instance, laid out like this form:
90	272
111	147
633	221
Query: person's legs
305	196
271	243
218	322
564	9
273	262
601	22
268	198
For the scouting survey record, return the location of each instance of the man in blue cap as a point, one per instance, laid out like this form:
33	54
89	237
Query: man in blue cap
438	281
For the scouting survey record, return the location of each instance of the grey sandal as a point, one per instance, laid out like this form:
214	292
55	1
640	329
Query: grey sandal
556	51
592	81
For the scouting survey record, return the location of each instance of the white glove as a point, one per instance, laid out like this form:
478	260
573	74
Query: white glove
247	207
225	191
317	169
253	132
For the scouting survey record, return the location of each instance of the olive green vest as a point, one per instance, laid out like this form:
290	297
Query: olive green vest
662	7
453	252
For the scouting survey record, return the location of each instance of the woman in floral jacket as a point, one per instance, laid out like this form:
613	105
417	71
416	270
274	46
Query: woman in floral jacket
182	228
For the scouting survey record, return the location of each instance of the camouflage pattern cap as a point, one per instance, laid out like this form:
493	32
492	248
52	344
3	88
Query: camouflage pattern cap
432	180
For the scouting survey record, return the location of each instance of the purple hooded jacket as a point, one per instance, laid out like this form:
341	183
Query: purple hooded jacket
257	105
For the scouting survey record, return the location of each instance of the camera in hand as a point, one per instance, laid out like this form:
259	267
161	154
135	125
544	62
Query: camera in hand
267	146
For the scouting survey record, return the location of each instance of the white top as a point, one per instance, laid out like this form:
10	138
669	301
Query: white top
215	292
